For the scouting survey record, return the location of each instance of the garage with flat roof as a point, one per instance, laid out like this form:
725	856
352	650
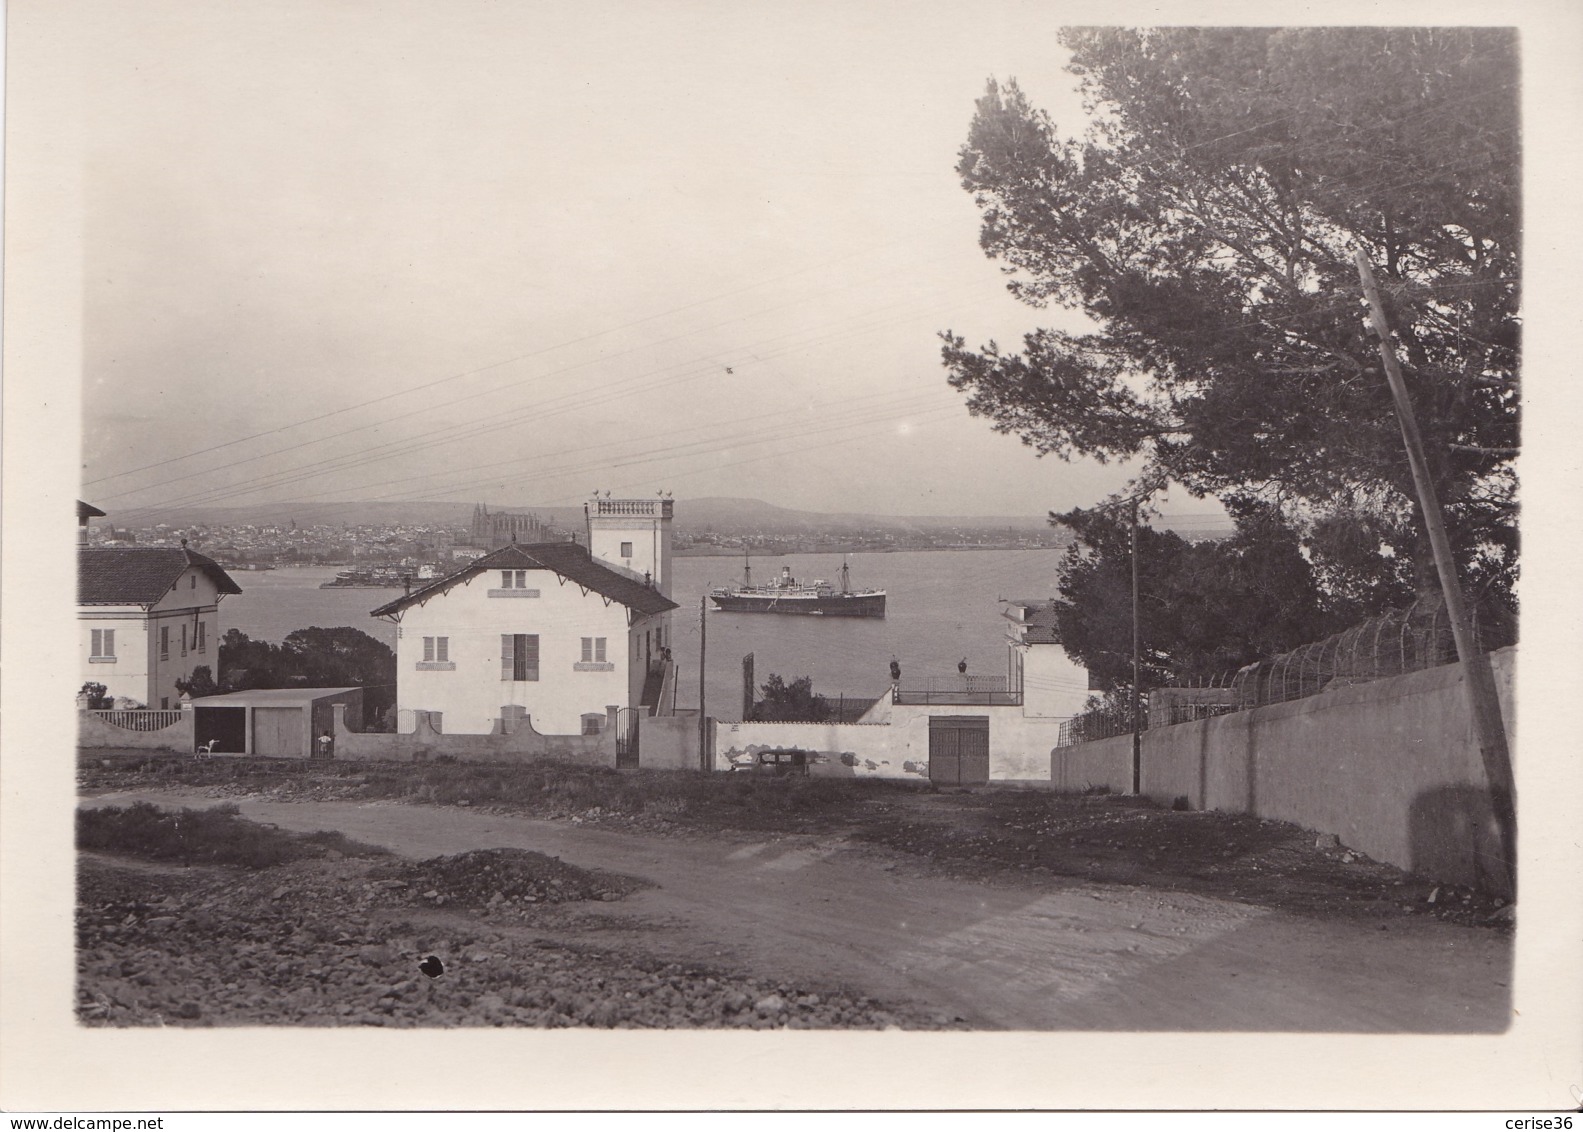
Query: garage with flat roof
271	722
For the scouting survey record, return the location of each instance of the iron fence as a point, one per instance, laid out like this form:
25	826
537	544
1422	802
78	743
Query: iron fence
139	719
1187	713
1104	723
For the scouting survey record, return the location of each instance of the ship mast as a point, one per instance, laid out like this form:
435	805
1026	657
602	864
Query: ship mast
845	588
747	572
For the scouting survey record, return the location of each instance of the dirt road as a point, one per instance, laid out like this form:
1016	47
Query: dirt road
1061	955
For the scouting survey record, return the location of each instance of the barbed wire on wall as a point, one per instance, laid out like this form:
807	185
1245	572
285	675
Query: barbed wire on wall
1392	644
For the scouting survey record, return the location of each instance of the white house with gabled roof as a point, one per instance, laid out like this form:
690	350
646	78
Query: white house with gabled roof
148	616
543	633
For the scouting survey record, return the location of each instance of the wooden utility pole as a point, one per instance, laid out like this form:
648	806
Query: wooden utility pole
703	714
1482	697
1137	653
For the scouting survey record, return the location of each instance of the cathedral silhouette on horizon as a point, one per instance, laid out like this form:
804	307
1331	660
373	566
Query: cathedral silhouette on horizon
500	528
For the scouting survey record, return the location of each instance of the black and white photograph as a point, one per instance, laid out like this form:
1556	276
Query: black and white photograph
788	529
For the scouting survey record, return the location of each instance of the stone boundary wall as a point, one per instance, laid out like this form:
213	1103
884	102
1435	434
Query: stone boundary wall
96	733
427	741
1390	767
842	750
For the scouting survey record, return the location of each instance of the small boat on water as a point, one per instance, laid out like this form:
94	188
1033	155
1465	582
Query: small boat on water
787	595
379	578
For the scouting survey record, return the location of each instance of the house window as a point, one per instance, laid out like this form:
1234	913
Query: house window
626	550
192	582
203	637
514	583
184	640
437	654
593	650
519	656
593	724
164	642
102	644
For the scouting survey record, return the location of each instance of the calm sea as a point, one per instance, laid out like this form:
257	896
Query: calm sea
942	606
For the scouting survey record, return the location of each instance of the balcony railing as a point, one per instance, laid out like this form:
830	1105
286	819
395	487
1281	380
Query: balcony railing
958	696
653	508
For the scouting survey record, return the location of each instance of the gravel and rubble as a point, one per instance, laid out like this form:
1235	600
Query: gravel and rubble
340	942
997	837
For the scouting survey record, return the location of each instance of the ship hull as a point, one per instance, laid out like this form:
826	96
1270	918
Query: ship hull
832	605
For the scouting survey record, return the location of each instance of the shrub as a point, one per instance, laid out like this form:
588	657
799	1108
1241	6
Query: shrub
218	836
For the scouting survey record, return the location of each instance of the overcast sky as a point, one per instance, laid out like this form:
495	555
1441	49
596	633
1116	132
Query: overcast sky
517	252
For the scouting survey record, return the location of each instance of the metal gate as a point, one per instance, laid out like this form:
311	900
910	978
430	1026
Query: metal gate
627	738
279	732
959	750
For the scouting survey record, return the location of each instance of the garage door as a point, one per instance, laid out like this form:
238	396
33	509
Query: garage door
279	731
959	750
226	727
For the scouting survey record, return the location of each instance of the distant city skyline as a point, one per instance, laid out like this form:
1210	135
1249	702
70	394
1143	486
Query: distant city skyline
511	252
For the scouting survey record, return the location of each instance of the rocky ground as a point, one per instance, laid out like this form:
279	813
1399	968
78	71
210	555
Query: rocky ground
527	939
1006	837
990	836
347	942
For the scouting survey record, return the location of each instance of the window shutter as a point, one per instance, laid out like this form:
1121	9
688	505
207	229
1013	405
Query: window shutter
184	639
530	659
442	649
505	579
96	639
109	643
508	656
599	649
428	649
588	649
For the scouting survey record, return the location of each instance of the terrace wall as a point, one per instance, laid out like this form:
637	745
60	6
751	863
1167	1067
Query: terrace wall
1390	767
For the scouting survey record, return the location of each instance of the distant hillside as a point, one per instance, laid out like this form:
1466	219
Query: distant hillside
693	516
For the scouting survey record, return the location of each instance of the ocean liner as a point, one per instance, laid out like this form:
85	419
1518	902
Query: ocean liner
787	595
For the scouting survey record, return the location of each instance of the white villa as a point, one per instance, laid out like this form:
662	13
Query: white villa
147	617
1053	685
556	636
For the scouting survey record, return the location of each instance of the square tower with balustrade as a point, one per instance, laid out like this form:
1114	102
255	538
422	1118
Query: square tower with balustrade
633	535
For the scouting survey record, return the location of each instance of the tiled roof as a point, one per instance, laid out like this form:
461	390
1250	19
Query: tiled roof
140	575
568	559
1038	622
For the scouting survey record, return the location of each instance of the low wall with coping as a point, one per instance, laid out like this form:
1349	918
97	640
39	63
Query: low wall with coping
427	741
893	742
1390	767
841	750
1103	763
94	732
